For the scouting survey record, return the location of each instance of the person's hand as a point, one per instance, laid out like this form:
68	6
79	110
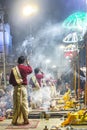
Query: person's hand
41	71
27	62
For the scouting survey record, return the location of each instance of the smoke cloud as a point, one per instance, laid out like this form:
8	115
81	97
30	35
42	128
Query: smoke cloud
45	45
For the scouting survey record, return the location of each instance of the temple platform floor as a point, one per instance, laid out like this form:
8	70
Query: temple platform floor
51	122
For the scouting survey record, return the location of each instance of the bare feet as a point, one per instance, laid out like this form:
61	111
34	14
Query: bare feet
26	122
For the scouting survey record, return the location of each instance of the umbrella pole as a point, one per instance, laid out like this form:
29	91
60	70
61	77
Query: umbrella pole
86	77
78	76
74	77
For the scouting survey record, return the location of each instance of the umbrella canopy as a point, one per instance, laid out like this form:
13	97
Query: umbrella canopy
73	38
77	20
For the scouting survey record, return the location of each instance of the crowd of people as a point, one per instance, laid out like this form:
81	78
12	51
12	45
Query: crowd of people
15	97
6	100
23	92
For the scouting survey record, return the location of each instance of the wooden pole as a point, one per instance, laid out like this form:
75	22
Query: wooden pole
85	41
74	77
4	48
78	76
86	77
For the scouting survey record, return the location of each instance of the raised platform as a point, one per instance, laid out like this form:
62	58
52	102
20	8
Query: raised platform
52	114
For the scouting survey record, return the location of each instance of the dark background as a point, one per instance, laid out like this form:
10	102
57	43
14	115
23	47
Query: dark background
55	11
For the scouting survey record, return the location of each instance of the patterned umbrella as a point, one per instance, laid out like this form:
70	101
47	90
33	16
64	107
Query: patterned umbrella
77	20
73	38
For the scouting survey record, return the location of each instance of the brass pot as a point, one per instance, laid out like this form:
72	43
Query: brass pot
47	116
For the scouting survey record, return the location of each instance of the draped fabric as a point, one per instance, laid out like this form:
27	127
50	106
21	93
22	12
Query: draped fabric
24	71
17	75
20	106
18	78
34	83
